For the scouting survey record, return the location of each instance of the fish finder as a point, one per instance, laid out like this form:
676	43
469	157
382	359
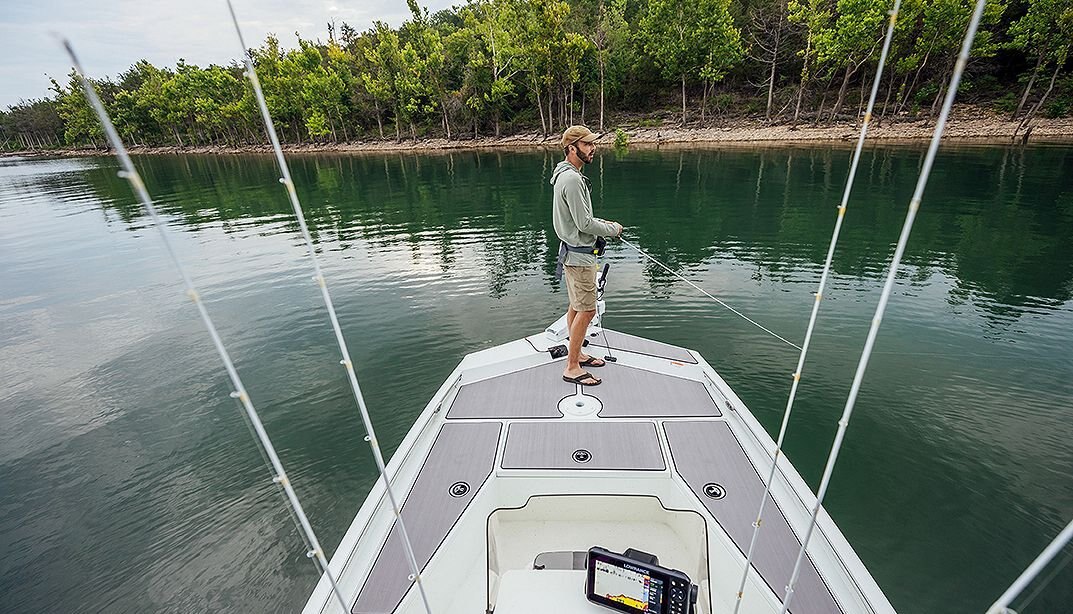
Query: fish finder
635	583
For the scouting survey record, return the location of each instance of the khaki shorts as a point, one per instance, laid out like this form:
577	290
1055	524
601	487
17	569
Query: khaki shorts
581	287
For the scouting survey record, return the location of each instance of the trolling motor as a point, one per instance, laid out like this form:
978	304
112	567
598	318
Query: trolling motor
600	281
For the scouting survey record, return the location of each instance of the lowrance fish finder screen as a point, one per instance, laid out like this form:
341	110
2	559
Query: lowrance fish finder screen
634	588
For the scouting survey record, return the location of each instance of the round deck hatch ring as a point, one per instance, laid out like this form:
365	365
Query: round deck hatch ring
714	491
582	456
459	489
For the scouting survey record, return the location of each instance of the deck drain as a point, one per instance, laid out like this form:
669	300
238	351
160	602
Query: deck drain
714	491
582	456
459	489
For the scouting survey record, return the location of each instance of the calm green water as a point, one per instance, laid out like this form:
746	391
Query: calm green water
129	482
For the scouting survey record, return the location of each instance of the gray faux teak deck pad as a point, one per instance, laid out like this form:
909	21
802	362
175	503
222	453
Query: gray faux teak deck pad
462	454
706	452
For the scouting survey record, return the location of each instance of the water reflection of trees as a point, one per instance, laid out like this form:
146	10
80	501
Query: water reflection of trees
995	219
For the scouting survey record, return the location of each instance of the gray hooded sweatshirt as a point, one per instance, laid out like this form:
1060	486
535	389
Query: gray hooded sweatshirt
571	214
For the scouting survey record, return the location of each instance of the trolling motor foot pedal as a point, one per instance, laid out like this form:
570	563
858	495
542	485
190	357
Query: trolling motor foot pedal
558	351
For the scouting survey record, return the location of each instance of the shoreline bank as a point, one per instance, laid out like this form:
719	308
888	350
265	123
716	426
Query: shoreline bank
968	125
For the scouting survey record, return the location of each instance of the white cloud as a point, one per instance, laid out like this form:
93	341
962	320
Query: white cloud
111	36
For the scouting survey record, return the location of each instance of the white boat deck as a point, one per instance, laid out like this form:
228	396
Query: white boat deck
508	462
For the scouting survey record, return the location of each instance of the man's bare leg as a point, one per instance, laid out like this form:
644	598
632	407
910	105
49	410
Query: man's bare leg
578	327
570	315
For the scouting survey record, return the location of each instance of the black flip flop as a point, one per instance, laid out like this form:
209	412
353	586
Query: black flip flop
591	362
584	376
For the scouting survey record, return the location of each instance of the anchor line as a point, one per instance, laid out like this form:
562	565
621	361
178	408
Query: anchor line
319	278
816	304
1001	605
903	239
316	552
707	294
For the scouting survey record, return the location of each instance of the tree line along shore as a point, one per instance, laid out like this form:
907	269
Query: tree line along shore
520	71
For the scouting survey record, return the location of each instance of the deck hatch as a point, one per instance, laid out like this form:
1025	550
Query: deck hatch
464	453
529	393
706	452
640	345
628	392
583	446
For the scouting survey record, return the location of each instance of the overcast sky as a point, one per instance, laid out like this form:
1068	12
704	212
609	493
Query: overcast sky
111	35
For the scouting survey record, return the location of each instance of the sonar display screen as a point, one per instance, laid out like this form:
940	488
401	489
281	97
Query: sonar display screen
635	589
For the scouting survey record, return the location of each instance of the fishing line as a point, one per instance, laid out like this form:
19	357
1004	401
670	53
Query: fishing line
705	293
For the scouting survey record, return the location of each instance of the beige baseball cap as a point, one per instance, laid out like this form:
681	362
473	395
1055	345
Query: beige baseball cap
573	134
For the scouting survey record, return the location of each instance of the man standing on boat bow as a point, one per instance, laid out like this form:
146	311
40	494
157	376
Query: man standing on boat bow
580	236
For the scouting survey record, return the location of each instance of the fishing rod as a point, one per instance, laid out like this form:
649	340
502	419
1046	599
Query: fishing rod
316	552
888	286
1002	604
318	277
816	304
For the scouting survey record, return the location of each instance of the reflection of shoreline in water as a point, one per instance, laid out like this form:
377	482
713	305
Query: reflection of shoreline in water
993	219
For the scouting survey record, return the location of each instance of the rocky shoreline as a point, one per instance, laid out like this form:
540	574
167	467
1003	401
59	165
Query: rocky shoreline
967	124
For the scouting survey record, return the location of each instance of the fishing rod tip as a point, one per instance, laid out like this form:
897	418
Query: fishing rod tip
61	39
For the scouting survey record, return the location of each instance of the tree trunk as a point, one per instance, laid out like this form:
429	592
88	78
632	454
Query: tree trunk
398	132
379	124
804	80
703	102
774	63
890	90
551	121
683	99
1028	88
446	120
540	108
860	102
342	125
601	96
842	92
938	97
823	100
571	103
905	94
1032	113
771	79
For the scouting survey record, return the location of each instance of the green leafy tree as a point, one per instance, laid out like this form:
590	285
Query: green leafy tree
427	52
80	122
852	40
384	65
814	16
1046	33
687	38
611	39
